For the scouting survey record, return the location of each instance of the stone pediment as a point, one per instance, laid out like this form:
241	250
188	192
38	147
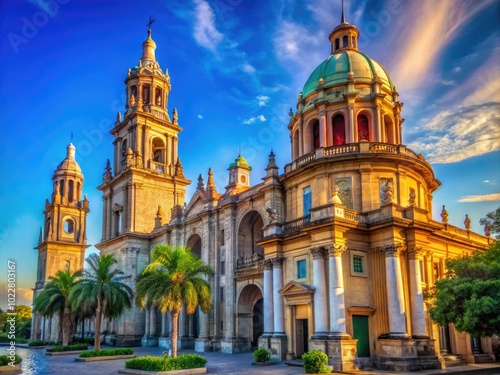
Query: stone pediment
293	288
197	204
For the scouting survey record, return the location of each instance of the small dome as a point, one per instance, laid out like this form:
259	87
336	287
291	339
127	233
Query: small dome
240	162
69	164
336	69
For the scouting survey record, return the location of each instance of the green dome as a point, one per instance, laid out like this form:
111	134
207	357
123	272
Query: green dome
240	162
335	70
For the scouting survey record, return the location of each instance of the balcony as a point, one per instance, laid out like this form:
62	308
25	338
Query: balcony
352	148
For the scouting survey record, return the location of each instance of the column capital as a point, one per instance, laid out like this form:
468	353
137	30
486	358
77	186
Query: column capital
268	264
318	252
278	262
336	250
393	250
415	251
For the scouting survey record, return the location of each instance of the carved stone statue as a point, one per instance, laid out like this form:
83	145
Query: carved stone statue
386	192
272	214
444	215
487	229
411	198
335	196
132	101
467	222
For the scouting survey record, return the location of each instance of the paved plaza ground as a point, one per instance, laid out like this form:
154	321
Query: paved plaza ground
36	363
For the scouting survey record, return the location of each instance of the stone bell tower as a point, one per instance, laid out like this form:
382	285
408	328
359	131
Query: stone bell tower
62	241
148	175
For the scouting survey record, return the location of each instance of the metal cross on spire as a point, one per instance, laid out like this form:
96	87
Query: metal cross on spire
151	21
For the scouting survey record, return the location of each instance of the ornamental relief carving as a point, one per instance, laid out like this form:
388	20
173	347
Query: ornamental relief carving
318	252
278	261
393	250
336	250
415	251
268	264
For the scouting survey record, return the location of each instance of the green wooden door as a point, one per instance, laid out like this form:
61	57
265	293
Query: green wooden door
360	328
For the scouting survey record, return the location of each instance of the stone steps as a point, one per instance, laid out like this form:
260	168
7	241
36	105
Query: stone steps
483	358
452	360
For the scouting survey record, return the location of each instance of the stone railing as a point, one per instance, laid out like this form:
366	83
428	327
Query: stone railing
352	148
159	167
250	261
459	232
295	225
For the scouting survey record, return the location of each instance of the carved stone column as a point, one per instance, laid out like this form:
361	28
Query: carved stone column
320	301
416	295
337	299
395	294
268	298
278	305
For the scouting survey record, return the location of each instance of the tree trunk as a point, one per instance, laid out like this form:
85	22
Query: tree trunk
66	326
97	332
175	332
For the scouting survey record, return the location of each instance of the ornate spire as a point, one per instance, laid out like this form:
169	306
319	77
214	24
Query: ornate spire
179	169
200	183
342	19
107	176
210	182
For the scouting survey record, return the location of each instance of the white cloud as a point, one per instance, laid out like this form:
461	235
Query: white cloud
248	68
456	69
205	31
200	117
480	198
251	120
262	100
459	134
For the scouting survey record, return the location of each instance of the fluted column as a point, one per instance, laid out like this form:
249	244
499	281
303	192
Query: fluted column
320	301
416	295
278	304
268	298
395	294
336	284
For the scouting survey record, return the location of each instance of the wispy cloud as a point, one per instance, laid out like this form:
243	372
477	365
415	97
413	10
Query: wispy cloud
200	117
205	31
248	68
459	134
262	100
480	198
251	120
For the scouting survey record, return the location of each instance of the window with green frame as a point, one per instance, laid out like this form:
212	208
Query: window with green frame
357	264
301	269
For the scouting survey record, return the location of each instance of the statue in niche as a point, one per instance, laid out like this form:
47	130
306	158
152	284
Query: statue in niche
411	198
386	192
335	195
132	101
158	100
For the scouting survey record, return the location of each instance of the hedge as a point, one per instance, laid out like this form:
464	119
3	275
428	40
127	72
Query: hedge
67	348
106	352
182	362
316	361
40	343
5	360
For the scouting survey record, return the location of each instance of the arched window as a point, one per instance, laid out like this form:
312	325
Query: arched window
363	131
124	153
389	130
71	189
345	41
338	125
158	97
47	228
295	145
337	44
78	191
307	202
61	187
353	42
69	226
315	135
146	94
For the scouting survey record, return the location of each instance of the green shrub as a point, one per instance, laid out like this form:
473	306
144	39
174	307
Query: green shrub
150	363
78	340
40	343
186	361
67	348
147	363
106	352
316	361
5	360
261	355
4	337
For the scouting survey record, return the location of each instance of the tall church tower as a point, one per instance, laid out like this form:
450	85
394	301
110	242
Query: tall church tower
63	241
148	174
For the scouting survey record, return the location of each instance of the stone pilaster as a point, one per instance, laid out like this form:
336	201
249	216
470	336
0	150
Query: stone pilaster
336	290
278	305
416	295
268	298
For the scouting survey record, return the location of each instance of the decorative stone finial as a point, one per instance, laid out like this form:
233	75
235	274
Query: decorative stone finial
272	161
290	113
487	229
201	183
444	215
467	222
210	182
107	176
335	195
159	212
119	117
175	115
179	169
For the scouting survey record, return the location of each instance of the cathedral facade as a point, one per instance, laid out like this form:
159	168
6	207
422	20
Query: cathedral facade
332	254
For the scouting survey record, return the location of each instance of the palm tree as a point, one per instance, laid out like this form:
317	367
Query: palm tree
174	278
103	288
54	299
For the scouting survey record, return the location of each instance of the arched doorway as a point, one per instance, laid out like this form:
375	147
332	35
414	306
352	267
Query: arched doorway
250	316
194	244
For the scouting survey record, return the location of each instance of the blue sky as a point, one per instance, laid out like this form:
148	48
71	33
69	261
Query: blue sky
236	68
